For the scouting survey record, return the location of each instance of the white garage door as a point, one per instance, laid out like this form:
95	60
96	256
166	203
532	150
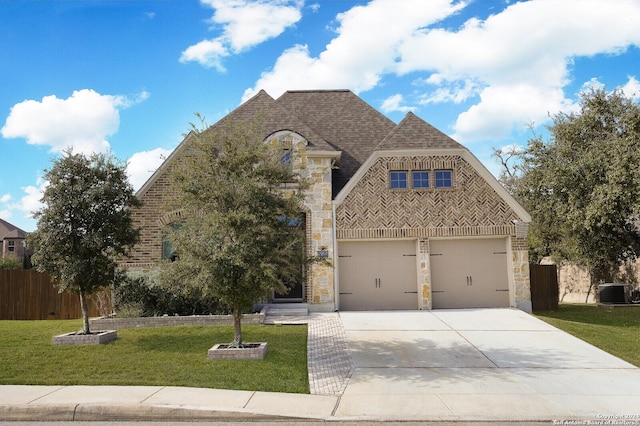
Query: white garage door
469	273
377	275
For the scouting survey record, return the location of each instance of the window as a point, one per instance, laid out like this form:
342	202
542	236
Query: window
420	179
285	159
444	179
11	246
168	249
398	179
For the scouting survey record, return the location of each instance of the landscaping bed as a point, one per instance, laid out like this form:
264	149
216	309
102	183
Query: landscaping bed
114	323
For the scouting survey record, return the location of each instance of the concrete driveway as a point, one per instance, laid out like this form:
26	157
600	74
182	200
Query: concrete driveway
480	364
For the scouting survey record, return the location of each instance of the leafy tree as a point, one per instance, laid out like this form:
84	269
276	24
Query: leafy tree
582	187
85	224
240	238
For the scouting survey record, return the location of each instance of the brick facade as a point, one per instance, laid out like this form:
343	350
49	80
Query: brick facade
346	150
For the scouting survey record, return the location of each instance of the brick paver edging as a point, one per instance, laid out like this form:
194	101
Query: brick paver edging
329	361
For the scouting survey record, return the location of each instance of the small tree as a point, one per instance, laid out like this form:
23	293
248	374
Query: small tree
85	224
582	187
240	238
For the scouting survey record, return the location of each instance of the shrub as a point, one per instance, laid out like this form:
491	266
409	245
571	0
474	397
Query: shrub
142	294
10	263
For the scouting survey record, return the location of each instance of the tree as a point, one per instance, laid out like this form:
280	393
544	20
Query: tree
582	187
85	224
240	237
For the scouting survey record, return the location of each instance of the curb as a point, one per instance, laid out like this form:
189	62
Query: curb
99	412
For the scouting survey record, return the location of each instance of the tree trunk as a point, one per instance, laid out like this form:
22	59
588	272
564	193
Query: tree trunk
237	327
85	313
589	291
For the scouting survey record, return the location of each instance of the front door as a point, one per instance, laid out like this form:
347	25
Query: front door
296	286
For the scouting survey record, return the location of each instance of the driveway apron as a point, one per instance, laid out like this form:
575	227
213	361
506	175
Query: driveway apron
480	364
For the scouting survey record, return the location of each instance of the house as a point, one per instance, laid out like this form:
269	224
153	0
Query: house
408	217
12	240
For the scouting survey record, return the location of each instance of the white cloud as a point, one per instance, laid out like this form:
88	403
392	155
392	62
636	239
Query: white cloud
208	53
142	164
456	92
366	45
393	103
632	89
83	121
505	108
28	203
511	67
245	24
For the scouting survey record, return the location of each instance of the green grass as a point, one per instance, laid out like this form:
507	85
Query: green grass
163	356
615	330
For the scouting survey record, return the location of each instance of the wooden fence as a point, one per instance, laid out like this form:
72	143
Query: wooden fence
544	287
31	295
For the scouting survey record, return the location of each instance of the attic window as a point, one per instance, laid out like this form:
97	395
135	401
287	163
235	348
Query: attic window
420	179
398	179
444	178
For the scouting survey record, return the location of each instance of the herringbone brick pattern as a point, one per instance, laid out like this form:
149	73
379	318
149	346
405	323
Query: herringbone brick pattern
471	207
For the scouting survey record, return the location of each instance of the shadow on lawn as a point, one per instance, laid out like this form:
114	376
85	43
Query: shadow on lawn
176	342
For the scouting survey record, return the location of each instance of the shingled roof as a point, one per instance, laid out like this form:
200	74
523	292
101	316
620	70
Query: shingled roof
9	231
275	118
344	121
333	120
414	133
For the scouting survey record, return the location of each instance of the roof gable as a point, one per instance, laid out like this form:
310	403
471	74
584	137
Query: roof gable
415	133
8	230
344	121
275	118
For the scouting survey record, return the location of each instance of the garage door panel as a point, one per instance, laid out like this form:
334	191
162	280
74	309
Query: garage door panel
469	273
376	275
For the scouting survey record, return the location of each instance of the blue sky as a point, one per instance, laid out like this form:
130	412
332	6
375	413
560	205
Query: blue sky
128	76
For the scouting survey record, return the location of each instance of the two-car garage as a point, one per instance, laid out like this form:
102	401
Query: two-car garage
383	274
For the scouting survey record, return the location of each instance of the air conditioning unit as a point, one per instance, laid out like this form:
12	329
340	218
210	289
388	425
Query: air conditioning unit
614	293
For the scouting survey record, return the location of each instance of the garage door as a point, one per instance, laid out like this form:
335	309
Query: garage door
469	273
378	275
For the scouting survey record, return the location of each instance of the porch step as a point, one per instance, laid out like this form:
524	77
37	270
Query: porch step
288	309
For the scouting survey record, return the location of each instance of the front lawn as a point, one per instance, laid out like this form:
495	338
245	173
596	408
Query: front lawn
615	330
163	356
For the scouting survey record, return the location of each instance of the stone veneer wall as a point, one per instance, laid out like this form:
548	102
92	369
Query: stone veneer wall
470	209
320	285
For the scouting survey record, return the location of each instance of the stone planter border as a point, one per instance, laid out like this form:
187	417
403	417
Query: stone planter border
168	321
220	351
96	338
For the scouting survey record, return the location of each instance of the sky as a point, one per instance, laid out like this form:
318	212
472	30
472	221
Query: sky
127	77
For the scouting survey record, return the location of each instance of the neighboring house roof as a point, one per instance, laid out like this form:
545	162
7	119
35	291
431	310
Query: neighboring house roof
345	121
414	133
9	231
